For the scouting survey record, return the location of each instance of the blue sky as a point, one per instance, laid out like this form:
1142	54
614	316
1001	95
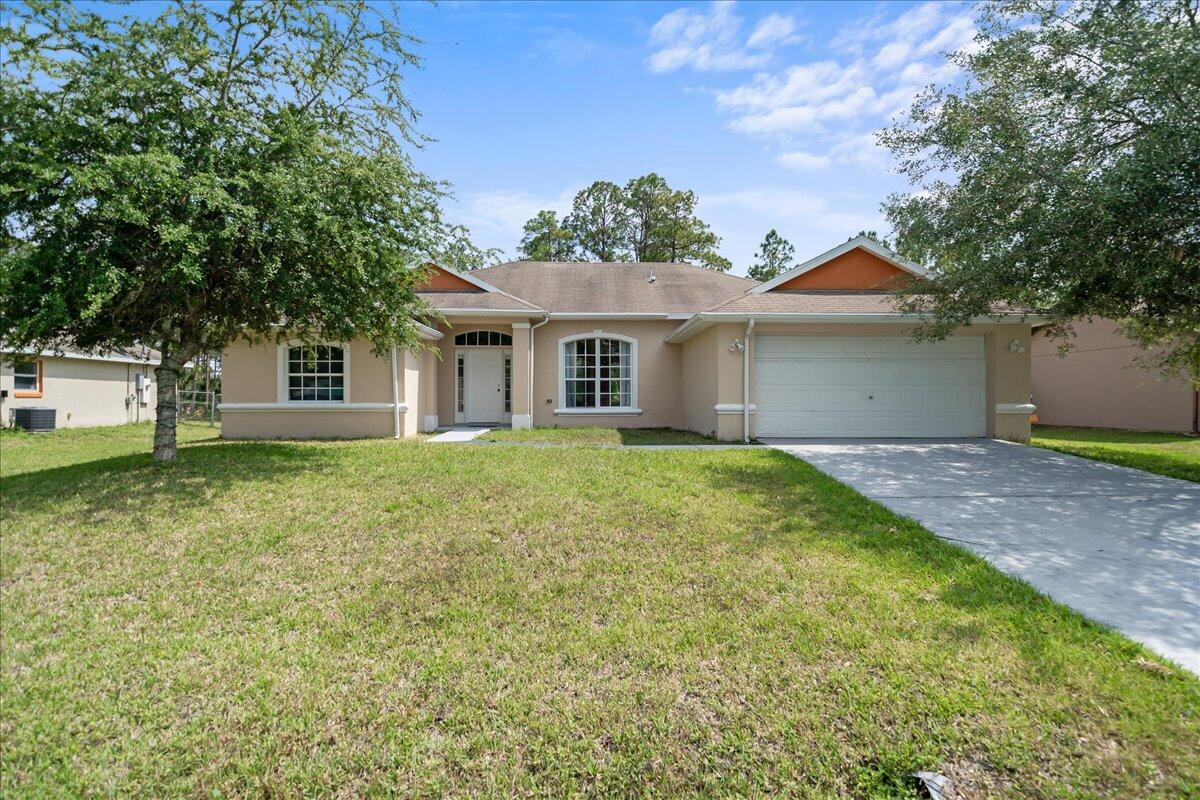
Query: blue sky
766	110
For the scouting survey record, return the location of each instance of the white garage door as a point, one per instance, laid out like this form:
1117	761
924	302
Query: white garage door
869	386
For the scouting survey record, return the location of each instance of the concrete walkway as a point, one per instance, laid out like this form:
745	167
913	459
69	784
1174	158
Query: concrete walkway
457	435
1120	545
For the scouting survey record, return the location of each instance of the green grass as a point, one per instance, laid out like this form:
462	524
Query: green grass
381	617
598	436
1172	454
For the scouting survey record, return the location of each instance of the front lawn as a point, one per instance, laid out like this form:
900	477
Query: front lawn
1172	454
383	617
598	436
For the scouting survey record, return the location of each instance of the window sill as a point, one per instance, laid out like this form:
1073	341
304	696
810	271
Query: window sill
28	394
598	412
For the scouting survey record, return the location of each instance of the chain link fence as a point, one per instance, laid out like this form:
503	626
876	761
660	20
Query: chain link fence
199	405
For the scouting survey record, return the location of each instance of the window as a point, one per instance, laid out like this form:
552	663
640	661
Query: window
508	384
461	371
483	339
316	373
598	373
27	377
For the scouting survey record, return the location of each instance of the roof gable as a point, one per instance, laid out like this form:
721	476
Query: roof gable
858	264
444	279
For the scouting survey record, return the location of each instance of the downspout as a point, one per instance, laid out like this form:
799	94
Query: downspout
395	397
531	330
746	382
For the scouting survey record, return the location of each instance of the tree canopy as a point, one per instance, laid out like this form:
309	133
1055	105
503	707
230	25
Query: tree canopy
774	256
646	220
1062	172
211	172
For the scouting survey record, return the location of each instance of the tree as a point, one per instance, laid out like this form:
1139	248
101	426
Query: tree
599	222
685	237
875	237
646	219
774	256
1063	174
213	172
546	240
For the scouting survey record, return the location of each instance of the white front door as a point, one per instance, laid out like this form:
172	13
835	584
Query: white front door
874	386
485	386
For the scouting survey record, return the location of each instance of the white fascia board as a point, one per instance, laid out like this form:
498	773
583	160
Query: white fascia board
610	315
118	359
702	321
427	332
487	312
870	245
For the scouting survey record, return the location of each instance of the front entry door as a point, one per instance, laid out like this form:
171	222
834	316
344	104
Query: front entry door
485	386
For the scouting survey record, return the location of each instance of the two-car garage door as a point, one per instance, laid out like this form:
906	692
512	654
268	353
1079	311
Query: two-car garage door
871	386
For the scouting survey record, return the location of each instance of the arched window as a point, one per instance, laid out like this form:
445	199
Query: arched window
316	373
483	339
598	373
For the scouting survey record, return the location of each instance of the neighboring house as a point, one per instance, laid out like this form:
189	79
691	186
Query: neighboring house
1098	385
84	389
818	351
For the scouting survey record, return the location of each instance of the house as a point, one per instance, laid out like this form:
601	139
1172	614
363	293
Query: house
1098	384
818	351
84	389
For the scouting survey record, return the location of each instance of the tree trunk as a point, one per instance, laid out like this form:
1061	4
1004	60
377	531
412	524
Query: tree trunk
166	376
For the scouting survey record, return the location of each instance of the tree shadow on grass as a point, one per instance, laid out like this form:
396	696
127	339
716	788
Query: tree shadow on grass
800	504
135	487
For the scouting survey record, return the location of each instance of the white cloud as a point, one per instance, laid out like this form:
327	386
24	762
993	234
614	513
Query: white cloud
829	108
792	208
709	40
502	213
801	161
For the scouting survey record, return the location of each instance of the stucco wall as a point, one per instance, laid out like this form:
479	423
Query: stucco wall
659	367
700	364
1097	385
250	374
84	392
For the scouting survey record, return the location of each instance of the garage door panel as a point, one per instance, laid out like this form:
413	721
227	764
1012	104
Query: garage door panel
873	386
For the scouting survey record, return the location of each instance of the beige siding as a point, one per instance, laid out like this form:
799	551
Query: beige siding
85	392
1097	384
659	368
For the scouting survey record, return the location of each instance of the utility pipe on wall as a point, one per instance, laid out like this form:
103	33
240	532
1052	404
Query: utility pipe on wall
531	330
395	397
746	381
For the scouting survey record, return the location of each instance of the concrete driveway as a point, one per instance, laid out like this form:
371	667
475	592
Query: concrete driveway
1120	545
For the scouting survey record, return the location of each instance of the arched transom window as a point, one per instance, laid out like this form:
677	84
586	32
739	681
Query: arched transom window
598	372
483	339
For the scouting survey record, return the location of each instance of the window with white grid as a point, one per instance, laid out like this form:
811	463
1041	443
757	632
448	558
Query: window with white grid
598	373
316	373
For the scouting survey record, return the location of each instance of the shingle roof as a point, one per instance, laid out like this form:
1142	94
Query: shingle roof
614	288
477	301
823	301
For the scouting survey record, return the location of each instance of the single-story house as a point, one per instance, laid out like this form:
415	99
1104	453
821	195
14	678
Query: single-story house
84	389
1098	383
820	350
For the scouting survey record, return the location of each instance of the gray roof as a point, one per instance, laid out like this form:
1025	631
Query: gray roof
616	287
477	301
824	301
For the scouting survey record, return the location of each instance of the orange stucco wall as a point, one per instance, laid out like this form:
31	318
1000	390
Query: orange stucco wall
441	281
856	269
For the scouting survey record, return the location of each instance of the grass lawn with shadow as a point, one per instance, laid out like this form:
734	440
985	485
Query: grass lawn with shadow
372	618
598	436
1175	455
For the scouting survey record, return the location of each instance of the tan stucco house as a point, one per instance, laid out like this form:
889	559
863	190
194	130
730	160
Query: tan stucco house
818	351
84	389
1100	383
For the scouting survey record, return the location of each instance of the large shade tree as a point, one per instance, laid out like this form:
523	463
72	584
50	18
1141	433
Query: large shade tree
208	172
1063	172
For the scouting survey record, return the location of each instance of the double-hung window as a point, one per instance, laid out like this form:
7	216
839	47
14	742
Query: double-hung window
598	373
27	377
316	373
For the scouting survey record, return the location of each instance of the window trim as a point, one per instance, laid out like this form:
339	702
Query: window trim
605	411
41	378
506	345
281	376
